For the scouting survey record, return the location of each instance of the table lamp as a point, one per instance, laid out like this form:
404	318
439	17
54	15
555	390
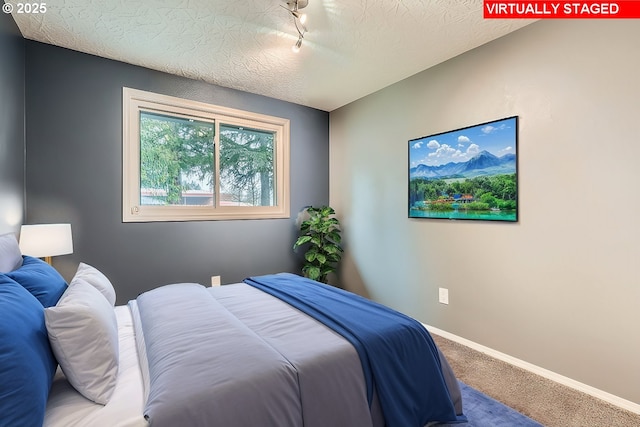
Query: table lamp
46	240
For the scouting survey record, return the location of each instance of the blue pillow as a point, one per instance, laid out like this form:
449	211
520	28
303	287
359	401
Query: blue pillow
42	280
27	364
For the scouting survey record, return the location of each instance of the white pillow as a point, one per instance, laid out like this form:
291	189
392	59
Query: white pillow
10	255
96	279
83	333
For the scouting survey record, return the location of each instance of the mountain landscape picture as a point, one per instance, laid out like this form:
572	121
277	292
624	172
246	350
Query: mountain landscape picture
468	173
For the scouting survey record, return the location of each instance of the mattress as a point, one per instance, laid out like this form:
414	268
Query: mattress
68	408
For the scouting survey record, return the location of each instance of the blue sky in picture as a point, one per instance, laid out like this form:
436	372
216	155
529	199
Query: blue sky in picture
497	137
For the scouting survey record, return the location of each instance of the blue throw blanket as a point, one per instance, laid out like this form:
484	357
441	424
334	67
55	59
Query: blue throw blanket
399	358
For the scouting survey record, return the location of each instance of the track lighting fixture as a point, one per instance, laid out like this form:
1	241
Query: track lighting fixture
296	47
299	19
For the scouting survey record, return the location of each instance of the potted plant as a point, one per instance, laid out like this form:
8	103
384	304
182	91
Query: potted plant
320	233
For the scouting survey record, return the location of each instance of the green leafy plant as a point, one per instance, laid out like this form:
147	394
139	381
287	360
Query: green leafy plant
320	233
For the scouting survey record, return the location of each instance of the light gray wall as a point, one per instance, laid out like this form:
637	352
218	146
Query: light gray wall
74	174
11	125
559	289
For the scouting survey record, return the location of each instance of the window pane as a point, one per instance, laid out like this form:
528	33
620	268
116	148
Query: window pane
176	161
246	167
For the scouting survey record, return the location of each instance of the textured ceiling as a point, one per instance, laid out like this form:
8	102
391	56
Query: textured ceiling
353	47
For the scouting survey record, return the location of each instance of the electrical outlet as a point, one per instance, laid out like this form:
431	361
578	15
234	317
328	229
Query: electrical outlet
443	295
215	280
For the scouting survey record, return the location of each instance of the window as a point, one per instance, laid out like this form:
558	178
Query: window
185	160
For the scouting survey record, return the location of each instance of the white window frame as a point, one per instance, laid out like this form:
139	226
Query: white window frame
134	101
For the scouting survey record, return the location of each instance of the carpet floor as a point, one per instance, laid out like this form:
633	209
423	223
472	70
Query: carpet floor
547	402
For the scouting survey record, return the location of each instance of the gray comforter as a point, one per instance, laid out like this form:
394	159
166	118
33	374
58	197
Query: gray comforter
233	356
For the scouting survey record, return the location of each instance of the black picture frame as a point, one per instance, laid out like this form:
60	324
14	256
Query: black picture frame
470	173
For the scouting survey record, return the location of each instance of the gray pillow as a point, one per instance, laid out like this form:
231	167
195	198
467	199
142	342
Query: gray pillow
10	255
95	278
83	333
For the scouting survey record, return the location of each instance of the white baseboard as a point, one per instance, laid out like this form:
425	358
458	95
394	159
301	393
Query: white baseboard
584	388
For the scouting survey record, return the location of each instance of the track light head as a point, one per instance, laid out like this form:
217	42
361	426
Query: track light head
299	19
302	17
297	4
296	47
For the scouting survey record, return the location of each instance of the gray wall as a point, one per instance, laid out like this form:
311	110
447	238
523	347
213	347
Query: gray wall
74	174
12	52
560	288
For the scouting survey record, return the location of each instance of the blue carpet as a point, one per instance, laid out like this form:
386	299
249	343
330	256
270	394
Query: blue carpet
483	411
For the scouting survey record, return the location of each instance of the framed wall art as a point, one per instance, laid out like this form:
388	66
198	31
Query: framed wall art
469	173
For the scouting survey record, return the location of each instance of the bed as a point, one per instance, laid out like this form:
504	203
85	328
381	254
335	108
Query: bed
234	355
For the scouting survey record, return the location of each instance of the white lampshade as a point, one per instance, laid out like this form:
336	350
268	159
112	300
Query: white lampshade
46	240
